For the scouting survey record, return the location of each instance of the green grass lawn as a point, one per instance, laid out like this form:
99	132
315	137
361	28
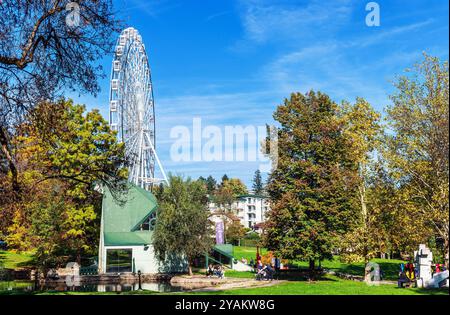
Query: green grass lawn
330	285
390	267
247	252
11	260
239	274
14	285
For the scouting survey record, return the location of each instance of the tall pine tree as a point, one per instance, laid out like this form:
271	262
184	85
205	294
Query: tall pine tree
224	179
258	187
211	185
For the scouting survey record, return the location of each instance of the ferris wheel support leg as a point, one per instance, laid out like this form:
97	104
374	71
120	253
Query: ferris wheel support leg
141	141
157	160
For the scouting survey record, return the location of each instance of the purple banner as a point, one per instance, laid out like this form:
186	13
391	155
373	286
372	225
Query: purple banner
219	233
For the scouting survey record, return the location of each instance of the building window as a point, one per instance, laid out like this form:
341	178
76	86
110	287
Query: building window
119	260
149	223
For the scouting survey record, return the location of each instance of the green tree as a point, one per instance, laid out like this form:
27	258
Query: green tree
68	144
183	227
211	185
63	153
47	58
258	186
158	191
310	199
362	131
228	192
417	150
224	179
224	198
234	232
236	186
46	217
395	227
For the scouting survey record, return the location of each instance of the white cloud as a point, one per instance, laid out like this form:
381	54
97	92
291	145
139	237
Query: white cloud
339	67
151	8
389	33
265	21
216	15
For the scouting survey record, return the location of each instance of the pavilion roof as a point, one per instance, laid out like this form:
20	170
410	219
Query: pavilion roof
123	215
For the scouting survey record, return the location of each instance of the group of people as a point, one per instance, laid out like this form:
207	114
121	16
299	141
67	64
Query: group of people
436	268
409	272
216	270
262	271
267	271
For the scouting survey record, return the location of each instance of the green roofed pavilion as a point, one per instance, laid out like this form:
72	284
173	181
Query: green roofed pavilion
126	231
123	218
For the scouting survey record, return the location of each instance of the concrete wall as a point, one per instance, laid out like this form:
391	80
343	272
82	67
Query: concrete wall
145	259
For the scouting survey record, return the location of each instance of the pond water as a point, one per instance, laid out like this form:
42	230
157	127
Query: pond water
28	286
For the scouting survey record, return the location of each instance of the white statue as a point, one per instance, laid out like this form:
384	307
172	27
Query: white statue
423	259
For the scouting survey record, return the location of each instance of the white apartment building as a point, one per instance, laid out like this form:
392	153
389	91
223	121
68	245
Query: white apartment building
251	209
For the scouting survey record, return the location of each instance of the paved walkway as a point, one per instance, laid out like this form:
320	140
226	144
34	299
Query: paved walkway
248	283
347	276
203	283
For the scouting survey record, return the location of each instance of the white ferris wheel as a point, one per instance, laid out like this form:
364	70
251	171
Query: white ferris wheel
132	111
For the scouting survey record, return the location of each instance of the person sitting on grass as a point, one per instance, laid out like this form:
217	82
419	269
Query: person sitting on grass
259	264
269	272
265	273
219	272
210	271
259	274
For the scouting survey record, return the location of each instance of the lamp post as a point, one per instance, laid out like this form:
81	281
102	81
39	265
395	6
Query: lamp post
140	282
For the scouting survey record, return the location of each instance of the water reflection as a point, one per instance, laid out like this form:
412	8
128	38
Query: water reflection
77	287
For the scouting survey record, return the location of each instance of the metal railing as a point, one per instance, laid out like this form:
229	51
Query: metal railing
90	270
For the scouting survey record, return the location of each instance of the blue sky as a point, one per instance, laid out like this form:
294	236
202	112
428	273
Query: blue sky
231	62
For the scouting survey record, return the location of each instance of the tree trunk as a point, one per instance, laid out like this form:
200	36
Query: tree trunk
79	257
446	252
190	269
311	269
367	275
364	215
366	263
11	165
